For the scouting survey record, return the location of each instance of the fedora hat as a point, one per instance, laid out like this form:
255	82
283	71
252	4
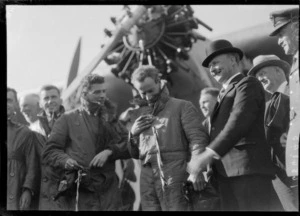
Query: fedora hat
282	18
268	60
219	47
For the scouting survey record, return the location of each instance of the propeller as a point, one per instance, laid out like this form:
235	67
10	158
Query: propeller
162	35
157	35
122	29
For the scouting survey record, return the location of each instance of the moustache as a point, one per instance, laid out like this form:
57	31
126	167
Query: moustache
153	99
216	73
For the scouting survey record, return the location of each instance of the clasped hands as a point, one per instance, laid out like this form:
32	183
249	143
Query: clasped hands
197	166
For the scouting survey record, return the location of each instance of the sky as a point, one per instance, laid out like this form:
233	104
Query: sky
41	39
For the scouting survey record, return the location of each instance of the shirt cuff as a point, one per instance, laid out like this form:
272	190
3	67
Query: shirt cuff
133	139
31	191
215	154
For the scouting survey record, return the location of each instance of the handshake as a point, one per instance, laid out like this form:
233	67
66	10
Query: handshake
200	162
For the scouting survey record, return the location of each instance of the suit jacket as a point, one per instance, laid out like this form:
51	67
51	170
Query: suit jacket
276	123
292	146
237	130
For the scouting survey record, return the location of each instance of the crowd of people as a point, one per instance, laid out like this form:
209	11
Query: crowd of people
246	147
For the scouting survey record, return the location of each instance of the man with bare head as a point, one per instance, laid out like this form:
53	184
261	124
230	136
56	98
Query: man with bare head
22	169
30	108
18	117
164	136
51	103
208	100
51	110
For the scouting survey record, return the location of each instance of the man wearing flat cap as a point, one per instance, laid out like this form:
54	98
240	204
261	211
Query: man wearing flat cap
238	150
286	28
272	72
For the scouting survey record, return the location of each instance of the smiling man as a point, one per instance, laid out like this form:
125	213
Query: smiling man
30	108
286	29
238	149
51	103
272	72
208	100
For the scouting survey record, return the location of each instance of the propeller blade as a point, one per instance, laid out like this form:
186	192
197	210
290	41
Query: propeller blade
123	29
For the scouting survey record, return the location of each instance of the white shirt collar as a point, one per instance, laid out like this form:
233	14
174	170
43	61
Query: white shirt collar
282	87
35	126
296	56
225	85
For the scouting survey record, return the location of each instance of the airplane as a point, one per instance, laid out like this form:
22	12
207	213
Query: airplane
167	37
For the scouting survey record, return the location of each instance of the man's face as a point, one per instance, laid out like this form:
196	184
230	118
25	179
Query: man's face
30	108
221	68
267	76
287	39
10	103
207	103
148	88
50	101
97	93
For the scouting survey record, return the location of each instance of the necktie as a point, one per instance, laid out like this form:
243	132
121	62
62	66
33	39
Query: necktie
221	94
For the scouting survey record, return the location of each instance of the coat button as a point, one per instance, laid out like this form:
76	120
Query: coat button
45	179
12	174
11	196
213	128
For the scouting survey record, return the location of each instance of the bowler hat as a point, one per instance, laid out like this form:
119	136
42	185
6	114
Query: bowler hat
219	47
268	60
282	18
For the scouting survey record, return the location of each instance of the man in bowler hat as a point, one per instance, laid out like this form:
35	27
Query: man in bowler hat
238	149
272	73
286	28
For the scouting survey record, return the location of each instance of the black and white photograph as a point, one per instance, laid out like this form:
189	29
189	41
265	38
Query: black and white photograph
132	107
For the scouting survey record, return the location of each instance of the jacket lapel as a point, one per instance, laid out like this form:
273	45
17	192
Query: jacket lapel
231	85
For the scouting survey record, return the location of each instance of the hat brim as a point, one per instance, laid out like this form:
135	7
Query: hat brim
207	60
282	64
278	28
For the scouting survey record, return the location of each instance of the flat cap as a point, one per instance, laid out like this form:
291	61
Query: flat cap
282	18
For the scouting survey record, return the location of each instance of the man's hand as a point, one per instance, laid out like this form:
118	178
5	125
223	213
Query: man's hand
198	181
25	199
100	159
141	123
199	163
283	140
72	164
